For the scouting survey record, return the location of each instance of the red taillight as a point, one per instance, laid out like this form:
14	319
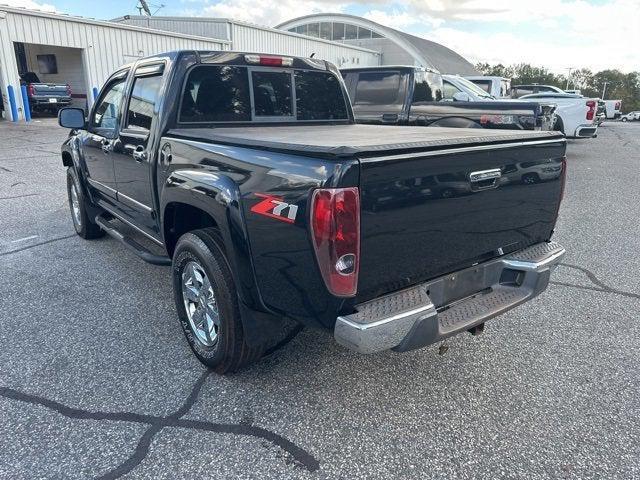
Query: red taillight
69	90
335	230
32	90
269	61
592	104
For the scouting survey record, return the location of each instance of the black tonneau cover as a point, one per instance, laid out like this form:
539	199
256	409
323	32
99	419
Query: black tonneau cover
351	140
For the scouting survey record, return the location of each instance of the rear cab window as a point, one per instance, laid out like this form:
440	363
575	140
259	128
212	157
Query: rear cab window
483	84
380	88
373	92
232	94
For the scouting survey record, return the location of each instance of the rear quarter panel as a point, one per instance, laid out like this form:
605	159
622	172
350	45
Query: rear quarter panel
271	255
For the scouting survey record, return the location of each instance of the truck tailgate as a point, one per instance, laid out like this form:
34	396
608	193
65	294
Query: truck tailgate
428	214
49	90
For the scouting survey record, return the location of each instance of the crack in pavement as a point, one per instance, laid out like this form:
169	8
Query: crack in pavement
600	286
57	239
299	457
20	196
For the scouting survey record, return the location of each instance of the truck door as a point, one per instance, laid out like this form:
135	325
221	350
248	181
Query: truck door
101	134
133	156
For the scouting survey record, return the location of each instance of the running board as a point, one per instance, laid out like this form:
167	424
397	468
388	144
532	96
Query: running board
131	244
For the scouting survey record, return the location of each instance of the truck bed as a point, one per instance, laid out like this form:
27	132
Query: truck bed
354	140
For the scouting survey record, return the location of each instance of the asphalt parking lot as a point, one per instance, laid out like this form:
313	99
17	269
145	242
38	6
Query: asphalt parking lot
97	380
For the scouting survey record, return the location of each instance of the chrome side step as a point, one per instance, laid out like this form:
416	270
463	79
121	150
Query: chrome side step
131	244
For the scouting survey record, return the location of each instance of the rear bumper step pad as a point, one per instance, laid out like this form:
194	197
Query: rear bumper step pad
440	308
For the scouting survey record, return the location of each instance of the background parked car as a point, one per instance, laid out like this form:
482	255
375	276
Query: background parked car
522	90
45	96
498	87
631	116
410	95
576	114
614	108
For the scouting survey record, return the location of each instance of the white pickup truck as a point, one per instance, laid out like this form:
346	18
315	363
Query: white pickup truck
498	87
614	108
576	114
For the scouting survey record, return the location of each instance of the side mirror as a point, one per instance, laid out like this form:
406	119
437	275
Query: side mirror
461	97
71	118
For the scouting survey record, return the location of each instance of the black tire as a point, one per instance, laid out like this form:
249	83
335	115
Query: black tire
624	119
559	126
229	352
83	224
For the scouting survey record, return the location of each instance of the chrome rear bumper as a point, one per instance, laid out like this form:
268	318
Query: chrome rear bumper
440	308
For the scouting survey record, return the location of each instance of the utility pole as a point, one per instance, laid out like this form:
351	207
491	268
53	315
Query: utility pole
568	77
604	89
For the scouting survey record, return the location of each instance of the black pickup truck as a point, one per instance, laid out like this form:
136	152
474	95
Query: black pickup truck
45	96
248	175
407	95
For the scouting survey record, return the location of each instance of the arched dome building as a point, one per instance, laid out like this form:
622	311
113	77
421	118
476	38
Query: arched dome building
395	47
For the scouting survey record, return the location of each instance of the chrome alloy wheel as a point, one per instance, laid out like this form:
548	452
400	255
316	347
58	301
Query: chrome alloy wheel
200	304
75	205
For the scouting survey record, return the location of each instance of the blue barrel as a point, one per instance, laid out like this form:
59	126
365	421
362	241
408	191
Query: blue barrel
12	103
25	103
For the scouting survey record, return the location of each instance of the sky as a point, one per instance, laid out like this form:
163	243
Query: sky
556	34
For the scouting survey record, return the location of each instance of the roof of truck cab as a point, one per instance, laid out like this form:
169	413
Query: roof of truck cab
390	67
340	141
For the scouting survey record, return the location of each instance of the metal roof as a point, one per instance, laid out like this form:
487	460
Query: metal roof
101	23
156	18
426	52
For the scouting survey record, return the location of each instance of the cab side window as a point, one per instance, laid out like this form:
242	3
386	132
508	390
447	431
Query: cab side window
142	105
448	90
428	88
106	114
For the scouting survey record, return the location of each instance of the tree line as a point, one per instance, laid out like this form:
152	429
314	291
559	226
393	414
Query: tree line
619	85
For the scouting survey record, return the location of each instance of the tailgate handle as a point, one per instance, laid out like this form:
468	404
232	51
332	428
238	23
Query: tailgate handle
485	179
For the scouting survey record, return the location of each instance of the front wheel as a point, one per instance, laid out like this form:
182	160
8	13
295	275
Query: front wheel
83	224
207	303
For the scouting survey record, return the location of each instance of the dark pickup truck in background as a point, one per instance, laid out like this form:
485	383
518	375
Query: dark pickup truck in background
407	95
248	175
45	96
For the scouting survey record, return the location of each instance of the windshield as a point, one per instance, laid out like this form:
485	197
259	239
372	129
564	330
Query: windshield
469	85
229	93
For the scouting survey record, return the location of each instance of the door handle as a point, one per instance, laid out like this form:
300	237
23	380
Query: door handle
485	179
139	154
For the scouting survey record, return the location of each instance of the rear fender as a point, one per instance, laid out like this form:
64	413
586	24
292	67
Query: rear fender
219	197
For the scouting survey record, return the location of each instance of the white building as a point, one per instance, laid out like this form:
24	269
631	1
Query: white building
395	47
85	52
248	37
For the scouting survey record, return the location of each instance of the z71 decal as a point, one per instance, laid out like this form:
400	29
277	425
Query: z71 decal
273	206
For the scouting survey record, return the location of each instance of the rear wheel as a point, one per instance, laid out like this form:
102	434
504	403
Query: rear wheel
559	126
624	119
207	303
83	224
